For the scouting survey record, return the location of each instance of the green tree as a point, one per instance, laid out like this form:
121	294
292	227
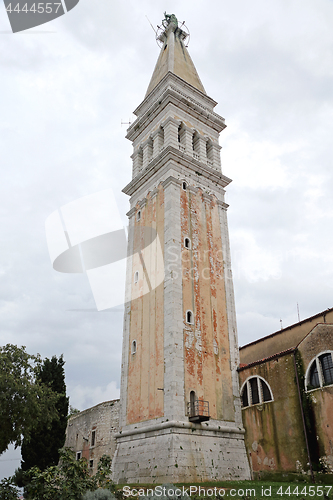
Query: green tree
69	480
7	490
25	402
42	448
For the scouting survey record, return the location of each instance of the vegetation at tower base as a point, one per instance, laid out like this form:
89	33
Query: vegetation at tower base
42	448
25	401
70	480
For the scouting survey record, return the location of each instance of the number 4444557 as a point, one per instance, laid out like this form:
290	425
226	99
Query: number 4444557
311	491
36	8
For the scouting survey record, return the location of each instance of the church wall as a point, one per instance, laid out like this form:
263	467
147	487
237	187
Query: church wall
274	437
320	400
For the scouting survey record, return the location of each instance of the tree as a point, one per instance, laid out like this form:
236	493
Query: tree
25	402
7	490
42	448
70	479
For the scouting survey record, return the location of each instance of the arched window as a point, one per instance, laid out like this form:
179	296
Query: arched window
184	185
187	242
320	371
136	276
138	215
133	347
189	317
255	390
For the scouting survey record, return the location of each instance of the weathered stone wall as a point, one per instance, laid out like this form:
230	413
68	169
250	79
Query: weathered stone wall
320	401
103	419
274	437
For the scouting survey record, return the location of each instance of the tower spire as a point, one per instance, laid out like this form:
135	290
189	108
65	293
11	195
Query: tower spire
174	56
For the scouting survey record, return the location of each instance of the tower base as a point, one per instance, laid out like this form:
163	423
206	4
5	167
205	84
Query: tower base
175	452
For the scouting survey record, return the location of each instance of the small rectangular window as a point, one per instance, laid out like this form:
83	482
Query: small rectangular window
93	438
78	455
91	464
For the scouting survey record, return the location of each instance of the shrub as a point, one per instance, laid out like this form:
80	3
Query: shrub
99	494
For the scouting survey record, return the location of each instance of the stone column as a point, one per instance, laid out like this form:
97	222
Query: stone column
158	139
216	156
147	152
170	126
137	162
199	143
186	135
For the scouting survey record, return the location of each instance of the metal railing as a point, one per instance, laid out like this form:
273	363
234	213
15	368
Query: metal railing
198	410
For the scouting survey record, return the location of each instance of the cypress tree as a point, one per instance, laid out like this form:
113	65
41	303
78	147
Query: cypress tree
42	449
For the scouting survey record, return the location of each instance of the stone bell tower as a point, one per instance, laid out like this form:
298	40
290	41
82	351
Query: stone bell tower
180	416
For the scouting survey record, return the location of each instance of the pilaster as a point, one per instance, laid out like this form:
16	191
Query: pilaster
170	126
231	310
158	141
127	321
174	405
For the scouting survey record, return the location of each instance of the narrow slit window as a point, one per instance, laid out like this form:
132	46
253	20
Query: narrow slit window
93	438
78	455
138	215
91	464
184	185
189	317
134	347
187	243
136	276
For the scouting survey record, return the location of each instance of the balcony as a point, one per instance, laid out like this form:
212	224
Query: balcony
198	411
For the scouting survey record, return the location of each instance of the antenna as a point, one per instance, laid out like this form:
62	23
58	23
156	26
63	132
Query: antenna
299	319
281	324
151	26
126	123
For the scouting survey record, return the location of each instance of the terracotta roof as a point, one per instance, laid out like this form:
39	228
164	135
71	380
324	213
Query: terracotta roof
243	366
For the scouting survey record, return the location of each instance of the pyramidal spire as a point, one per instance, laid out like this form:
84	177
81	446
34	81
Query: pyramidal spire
174	56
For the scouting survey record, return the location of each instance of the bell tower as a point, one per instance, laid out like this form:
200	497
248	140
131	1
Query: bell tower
180	418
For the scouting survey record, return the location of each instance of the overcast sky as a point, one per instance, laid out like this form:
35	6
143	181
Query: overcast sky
65	88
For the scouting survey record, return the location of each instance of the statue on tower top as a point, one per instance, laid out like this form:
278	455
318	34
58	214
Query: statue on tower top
168	19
